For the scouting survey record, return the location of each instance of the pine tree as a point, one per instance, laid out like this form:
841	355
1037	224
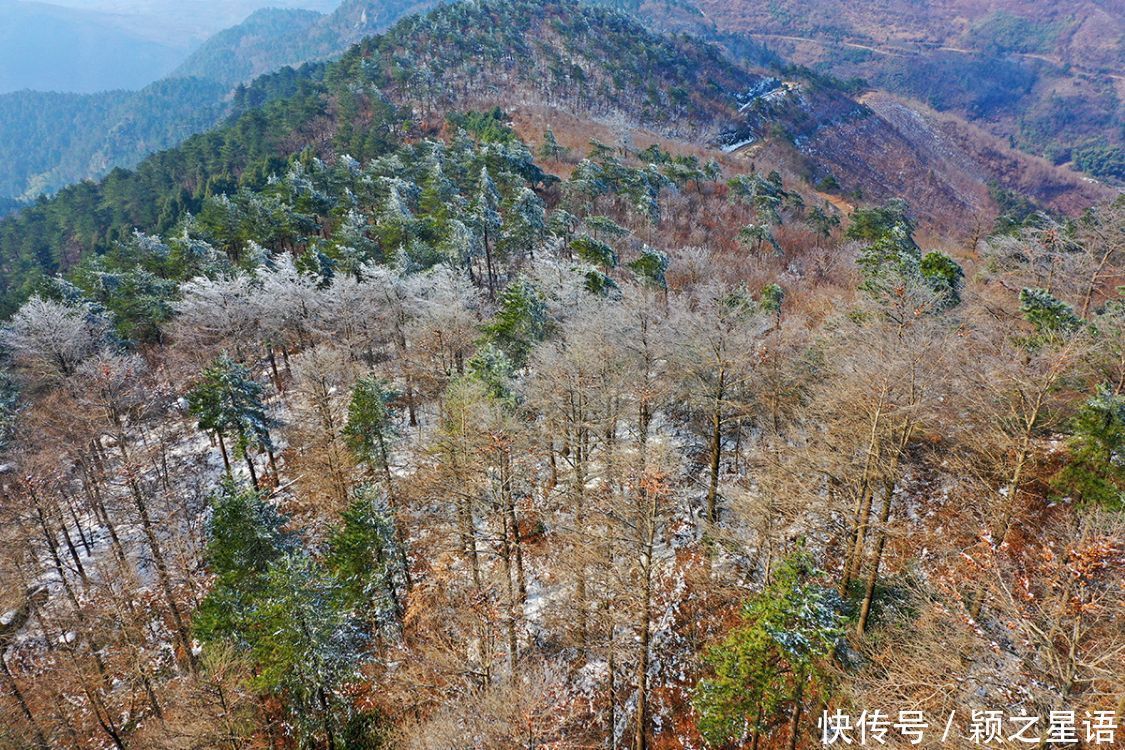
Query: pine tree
290	616
776	663
245	535
227	401
370	432
944	276
1052	318
587	182
486	215
823	221
525	223
520	322
1095	471
396	219
765	196
370	429
551	150
757	235
306	645
362	555
872	224
651	268
352	246
772	297
492	368
594	252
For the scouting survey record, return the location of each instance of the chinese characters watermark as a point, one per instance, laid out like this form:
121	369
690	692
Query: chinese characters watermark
872	728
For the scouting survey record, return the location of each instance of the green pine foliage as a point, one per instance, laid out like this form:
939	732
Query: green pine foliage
594	252
895	274
1052	318
944	276
777	661
245	536
550	149
307	645
1095	471
521	321
651	267
370	430
492	368
294	619
771	299
228	401
1101	160
871	224
363	557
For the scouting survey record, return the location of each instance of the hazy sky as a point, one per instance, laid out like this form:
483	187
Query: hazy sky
193	18
93	45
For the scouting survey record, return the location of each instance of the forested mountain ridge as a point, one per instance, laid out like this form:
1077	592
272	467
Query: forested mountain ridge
1044	74
516	381
986	82
593	60
119	128
479	55
49	140
271	39
251	48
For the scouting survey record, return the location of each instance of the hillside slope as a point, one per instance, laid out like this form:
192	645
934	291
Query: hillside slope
50	140
1049	76
590	60
522	380
119	128
251	48
882	147
581	59
270	39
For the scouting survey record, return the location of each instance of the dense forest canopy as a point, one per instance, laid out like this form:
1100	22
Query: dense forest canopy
339	108
51	140
106	129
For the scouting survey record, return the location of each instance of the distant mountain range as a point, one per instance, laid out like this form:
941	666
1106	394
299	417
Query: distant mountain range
272	38
54	48
50	140
1041	80
1048	76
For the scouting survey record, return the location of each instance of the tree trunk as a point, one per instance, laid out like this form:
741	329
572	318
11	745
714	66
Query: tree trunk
469	540
159	563
756	735
392	505
640	727
506	558
611	690
273	466
716	449
273	368
1088	297
253	472
513	522
863	501
77	524
873	574
1007	515
40	740
223	450
488	265
795	721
